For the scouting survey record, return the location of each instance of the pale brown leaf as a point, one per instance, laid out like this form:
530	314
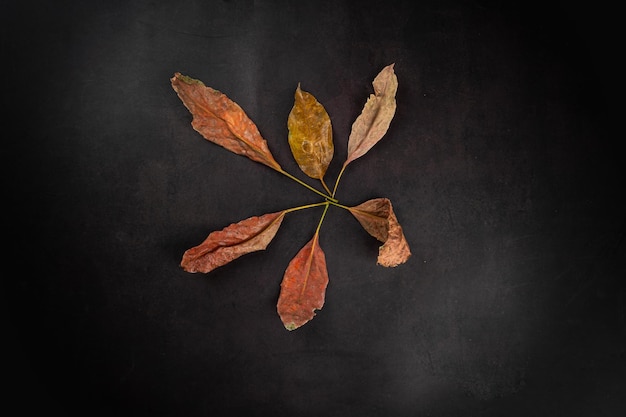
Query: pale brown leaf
378	219
303	288
375	118
221	247
221	120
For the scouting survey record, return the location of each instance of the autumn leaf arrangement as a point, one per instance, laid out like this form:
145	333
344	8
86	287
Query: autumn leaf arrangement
221	121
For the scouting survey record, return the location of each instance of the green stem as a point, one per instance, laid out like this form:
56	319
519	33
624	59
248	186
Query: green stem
304	184
337	181
325	186
306	206
319	225
338	205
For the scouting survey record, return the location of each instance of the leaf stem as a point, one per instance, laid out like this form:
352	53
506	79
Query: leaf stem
306	206
338	205
343	168
325	186
319	225
304	184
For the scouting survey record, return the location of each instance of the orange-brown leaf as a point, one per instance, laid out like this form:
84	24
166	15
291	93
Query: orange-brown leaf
303	288
378	219
221	247
221	120
374	120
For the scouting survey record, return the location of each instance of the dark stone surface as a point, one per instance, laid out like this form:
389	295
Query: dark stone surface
501	162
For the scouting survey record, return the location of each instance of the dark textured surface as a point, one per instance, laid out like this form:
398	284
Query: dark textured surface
501	164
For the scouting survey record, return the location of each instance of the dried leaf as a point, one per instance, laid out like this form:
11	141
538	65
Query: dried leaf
221	247
303	288
378	219
374	120
310	134
221	120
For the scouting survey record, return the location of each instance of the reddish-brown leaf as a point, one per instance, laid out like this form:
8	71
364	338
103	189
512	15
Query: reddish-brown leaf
221	247
303	288
374	120
378	219
221	120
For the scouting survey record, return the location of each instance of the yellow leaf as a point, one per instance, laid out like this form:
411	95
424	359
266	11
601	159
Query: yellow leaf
310	135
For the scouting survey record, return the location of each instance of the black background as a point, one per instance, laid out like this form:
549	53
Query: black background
502	165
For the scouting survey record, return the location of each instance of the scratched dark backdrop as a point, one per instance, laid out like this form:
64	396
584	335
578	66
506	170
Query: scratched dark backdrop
501	162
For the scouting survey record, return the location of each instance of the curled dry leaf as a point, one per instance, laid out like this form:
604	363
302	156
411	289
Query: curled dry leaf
310	134
378	219
221	247
374	120
303	288
221	120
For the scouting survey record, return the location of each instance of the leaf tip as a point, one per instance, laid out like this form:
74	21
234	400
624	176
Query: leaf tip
290	326
389	68
186	79
298	93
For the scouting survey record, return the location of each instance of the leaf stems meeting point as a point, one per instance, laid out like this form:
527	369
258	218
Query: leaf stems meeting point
336	204
327	203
